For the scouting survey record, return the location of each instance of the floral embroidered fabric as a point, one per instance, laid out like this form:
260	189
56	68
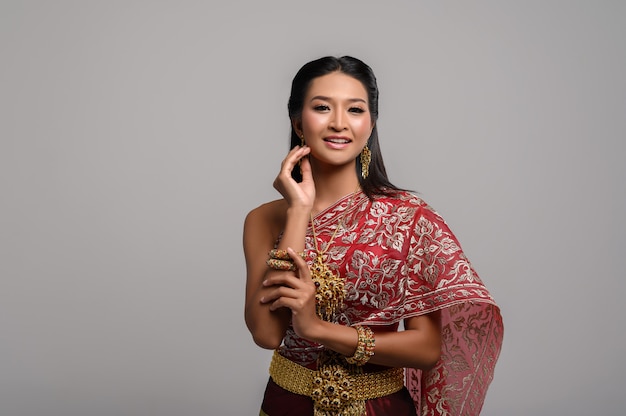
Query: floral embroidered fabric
399	259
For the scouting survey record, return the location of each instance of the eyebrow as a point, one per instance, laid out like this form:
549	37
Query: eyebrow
324	98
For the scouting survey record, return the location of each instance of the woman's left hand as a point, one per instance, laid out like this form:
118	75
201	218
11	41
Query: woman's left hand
295	291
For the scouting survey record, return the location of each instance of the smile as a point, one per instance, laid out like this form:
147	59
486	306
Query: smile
337	140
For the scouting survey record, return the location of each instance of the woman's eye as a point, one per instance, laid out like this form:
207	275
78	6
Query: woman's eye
356	110
321	107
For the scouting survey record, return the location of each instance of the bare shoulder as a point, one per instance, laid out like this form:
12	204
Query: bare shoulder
266	220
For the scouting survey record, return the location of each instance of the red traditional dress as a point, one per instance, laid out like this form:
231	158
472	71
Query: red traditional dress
399	259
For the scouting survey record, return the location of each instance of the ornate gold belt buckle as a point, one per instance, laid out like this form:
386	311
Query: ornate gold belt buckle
332	388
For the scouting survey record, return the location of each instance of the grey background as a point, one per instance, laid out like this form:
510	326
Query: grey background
135	136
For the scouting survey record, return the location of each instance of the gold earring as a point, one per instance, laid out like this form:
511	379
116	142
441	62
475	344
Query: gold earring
302	142
366	158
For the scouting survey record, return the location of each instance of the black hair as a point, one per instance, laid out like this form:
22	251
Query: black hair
377	182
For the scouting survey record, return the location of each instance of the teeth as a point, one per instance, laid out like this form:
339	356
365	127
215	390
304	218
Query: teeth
342	141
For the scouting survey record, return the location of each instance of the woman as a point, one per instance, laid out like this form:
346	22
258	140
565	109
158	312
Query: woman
344	257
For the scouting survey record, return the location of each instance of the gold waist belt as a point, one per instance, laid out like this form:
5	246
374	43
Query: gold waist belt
333	387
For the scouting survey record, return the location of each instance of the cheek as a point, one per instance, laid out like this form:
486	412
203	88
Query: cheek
363	127
311	119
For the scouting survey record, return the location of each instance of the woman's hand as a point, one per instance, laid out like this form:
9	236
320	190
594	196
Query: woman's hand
295	291
297	195
418	346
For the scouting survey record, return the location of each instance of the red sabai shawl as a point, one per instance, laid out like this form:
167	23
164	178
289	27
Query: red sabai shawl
399	260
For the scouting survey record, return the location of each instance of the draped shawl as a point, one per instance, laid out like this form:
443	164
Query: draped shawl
399	259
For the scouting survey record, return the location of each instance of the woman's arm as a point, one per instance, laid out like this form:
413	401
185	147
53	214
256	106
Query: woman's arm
418	346
268	326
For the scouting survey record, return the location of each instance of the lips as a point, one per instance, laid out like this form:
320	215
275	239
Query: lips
337	140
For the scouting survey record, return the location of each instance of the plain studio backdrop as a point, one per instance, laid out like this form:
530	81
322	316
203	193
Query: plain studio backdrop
136	135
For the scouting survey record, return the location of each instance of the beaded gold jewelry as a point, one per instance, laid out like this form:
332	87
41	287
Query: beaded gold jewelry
366	158
335	390
365	346
281	254
329	295
278	264
279	260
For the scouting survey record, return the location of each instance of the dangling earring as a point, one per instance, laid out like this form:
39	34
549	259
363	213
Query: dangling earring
366	158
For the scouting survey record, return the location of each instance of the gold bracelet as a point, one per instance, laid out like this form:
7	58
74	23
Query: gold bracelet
364	347
284	265
280	254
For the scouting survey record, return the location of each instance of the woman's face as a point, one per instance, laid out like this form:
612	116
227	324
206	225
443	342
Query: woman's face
336	121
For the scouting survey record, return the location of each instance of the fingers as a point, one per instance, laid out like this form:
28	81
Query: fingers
292	158
303	268
284	182
283	279
305	168
279	297
295	304
288	292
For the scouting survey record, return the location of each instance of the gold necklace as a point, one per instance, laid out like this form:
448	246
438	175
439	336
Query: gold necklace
330	294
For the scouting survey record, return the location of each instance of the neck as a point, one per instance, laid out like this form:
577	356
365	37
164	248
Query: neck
330	186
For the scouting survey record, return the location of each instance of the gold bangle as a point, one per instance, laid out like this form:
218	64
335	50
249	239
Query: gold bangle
284	265
281	254
364	347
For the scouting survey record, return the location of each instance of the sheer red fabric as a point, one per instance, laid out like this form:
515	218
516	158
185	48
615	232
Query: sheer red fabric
399	259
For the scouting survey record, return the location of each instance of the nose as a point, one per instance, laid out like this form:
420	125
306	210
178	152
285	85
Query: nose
337	121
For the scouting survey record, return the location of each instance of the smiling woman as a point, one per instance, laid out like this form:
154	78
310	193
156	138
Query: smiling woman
335	265
335	121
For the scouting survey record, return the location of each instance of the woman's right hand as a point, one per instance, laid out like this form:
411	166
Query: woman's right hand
297	195
269	326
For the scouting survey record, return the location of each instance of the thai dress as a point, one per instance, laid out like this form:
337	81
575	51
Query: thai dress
398	259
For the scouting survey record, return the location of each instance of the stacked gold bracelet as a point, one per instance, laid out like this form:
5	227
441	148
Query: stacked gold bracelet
279	260
364	347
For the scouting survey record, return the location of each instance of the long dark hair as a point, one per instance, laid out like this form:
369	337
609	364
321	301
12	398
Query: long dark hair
377	182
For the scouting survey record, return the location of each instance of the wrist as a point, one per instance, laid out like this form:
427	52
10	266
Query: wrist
300	208
316	331
302	213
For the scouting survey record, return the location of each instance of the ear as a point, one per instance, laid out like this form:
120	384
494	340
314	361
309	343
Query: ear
372	129
296	123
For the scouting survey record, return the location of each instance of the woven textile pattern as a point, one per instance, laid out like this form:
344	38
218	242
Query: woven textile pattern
399	259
